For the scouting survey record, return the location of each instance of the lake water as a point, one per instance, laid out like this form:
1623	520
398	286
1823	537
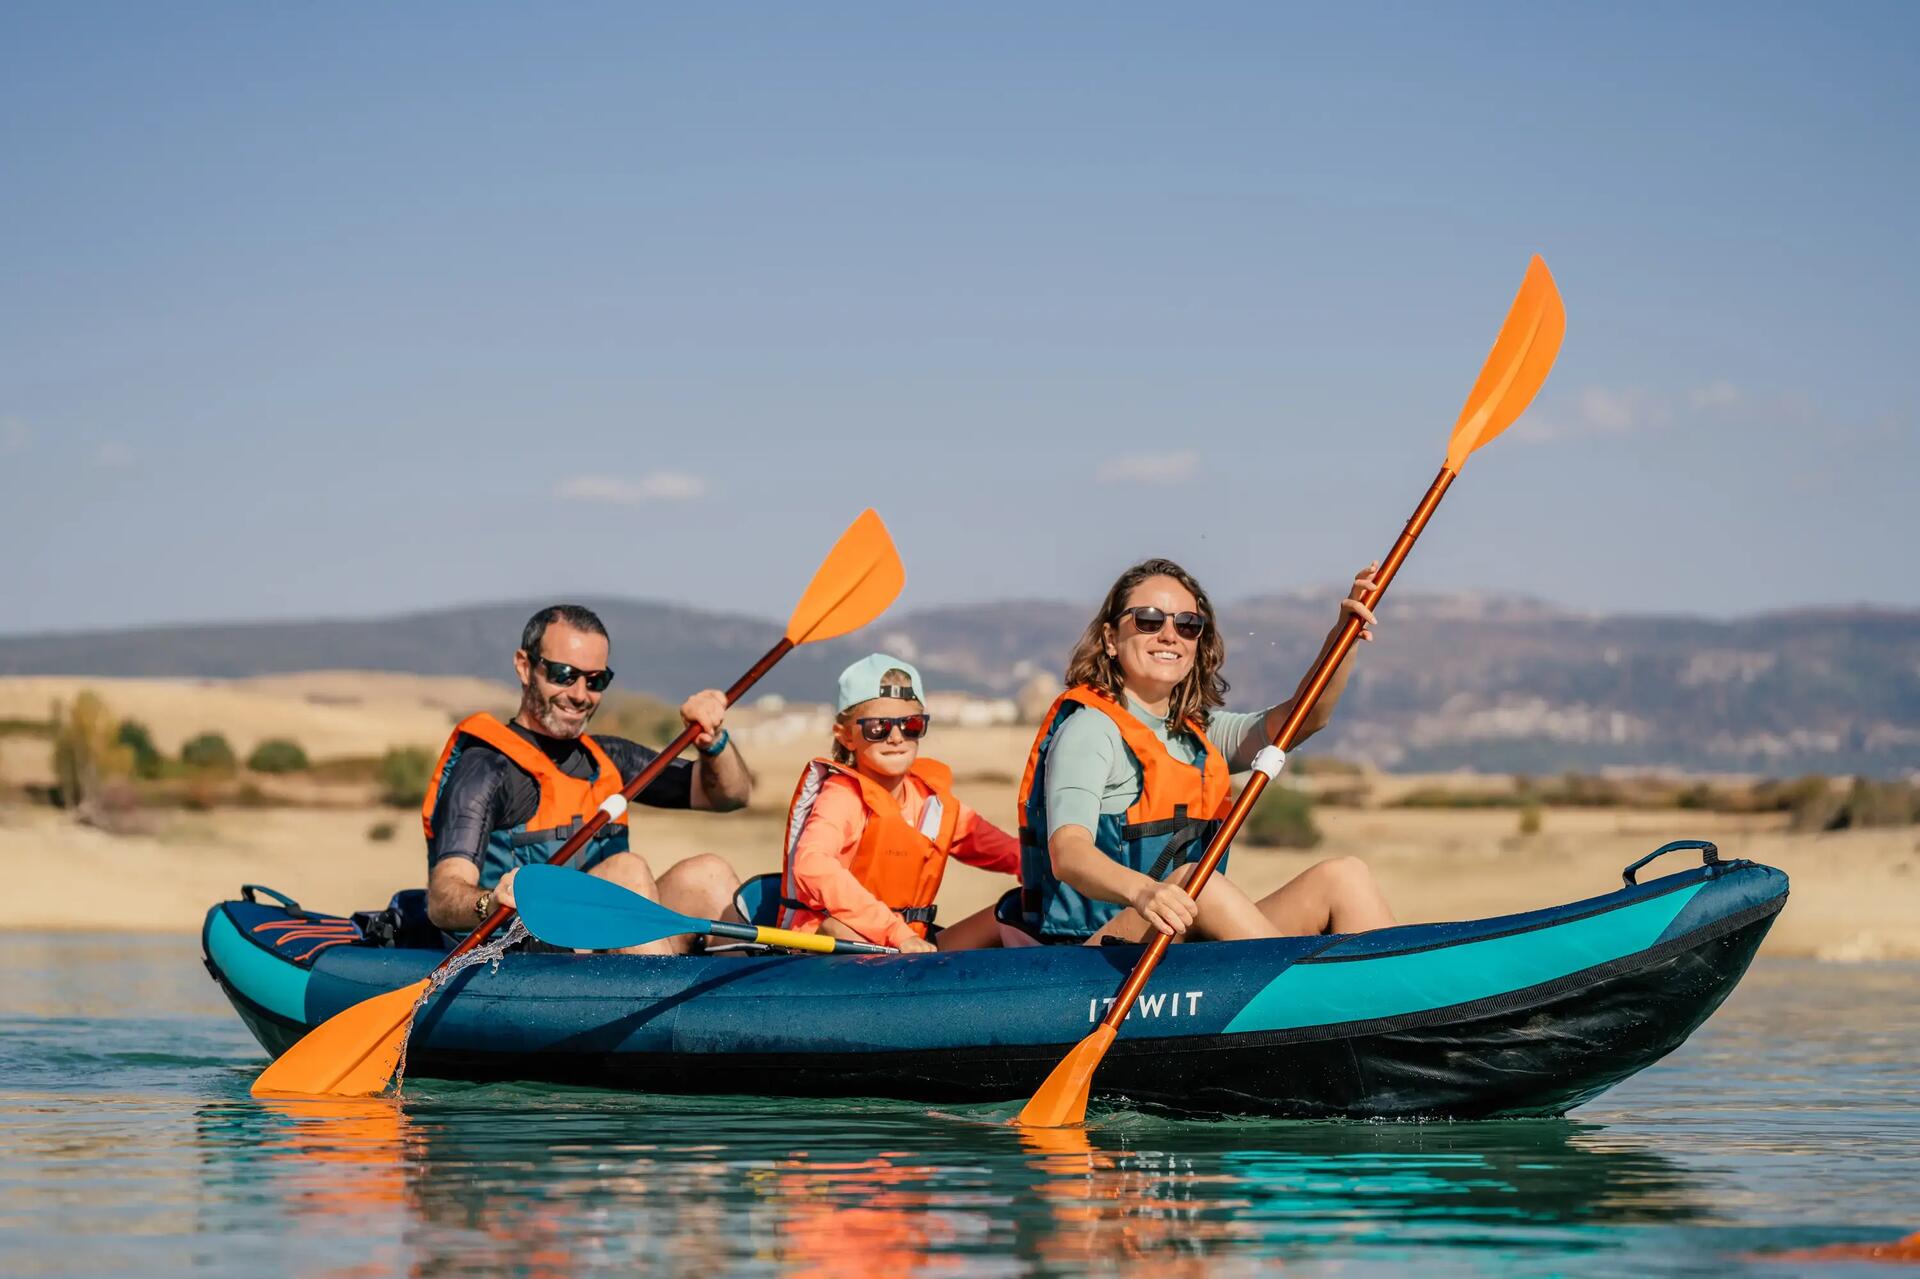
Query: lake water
131	1147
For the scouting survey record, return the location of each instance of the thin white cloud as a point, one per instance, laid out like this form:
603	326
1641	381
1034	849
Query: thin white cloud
15	435
1597	410
618	490
113	457
1150	468
1715	395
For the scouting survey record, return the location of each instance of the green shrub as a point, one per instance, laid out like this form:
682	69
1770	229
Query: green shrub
148	762
210	753
1531	819
86	752
380	832
1282	819
278	755
403	776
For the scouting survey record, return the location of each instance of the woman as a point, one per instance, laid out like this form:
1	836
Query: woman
870	830
1127	780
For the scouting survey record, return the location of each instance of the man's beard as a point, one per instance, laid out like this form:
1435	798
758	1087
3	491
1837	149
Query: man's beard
547	713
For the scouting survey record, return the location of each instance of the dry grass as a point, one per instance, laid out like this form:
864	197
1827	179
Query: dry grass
1855	892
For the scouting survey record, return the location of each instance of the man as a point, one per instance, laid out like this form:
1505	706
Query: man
508	795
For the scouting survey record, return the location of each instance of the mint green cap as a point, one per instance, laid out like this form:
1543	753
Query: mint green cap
861	681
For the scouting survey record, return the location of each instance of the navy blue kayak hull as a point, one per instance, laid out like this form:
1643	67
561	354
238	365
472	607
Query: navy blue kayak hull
1528	1014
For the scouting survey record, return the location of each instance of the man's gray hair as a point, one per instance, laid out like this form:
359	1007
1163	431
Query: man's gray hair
578	616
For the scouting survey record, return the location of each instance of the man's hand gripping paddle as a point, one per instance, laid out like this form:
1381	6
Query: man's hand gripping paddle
355	1052
1515	368
584	912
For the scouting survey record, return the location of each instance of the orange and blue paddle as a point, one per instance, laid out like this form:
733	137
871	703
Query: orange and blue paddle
1515	368
569	908
355	1052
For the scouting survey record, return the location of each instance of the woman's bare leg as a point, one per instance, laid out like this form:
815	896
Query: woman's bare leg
1226	914
978	931
1338	895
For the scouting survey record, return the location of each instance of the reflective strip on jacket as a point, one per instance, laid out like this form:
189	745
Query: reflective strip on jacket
899	863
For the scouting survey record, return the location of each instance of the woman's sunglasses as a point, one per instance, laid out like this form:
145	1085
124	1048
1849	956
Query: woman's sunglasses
1148	621
561	675
878	728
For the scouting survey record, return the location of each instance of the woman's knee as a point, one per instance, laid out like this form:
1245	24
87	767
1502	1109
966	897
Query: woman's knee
708	869
1347	870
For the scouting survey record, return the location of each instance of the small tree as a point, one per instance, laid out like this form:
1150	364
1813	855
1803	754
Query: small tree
86	753
404	774
1530	818
1282	819
278	755
147	760
210	753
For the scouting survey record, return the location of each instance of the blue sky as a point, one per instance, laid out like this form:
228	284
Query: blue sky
320	310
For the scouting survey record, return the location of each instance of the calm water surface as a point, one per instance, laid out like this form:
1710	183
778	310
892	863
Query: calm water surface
131	1147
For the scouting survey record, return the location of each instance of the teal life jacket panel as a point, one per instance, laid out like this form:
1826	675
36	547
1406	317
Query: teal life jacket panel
1179	808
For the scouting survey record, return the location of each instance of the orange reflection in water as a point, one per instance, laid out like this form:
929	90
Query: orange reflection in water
859	1218
1110	1209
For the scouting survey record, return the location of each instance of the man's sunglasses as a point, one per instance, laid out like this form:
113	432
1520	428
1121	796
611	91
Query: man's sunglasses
877	728
561	675
1148	621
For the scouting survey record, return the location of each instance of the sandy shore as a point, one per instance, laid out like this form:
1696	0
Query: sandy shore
1855	894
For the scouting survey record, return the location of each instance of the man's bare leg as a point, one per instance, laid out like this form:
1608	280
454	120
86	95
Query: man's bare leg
630	871
702	886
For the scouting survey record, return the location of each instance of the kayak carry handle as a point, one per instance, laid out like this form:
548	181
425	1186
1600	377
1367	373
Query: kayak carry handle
247	891
1709	856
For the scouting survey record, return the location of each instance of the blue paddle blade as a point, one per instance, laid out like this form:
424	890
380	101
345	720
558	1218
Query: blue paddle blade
572	909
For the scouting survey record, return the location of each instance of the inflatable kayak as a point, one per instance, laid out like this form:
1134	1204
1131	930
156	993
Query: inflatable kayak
1528	1014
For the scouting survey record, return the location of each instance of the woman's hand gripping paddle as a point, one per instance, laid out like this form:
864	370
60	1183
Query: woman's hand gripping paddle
355	1052
1515	368
584	912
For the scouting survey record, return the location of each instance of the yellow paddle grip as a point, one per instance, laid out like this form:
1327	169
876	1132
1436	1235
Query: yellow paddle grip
794	941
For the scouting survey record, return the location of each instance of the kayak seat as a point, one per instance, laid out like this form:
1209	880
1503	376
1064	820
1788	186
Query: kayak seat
403	924
758	900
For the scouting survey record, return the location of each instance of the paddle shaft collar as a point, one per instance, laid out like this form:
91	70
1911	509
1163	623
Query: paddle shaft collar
1304	700
643	779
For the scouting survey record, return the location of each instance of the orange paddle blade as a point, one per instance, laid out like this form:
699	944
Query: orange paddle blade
1521	357
861	576
1062	1099
351	1054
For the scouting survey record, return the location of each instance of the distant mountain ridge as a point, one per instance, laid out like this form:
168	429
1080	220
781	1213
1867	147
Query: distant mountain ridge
1460	680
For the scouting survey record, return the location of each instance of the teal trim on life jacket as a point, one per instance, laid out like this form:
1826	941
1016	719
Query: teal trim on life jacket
1057	912
517	846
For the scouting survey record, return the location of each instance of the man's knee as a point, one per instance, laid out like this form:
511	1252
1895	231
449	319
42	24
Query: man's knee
707	870
629	870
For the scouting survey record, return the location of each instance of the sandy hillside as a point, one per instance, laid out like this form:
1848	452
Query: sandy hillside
330	713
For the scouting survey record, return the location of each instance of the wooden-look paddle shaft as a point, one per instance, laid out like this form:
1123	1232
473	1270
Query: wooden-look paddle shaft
1513	373
355	1052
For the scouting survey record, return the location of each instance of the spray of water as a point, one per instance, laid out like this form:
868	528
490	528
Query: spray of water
489	953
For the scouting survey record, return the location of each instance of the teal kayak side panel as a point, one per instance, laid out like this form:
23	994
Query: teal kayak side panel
272	983
1310	994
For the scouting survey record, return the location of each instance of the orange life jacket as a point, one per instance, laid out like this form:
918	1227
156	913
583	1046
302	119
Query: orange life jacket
1179	808
898	863
565	802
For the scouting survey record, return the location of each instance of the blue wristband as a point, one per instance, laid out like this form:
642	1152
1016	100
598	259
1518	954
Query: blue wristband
718	745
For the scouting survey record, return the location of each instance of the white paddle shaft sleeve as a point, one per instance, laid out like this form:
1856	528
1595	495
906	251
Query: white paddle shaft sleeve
1270	761
614	806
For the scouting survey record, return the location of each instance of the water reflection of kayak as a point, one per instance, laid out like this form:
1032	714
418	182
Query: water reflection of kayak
1527	1014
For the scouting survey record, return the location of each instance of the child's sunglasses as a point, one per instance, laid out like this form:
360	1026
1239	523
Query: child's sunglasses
877	728
561	675
1148	621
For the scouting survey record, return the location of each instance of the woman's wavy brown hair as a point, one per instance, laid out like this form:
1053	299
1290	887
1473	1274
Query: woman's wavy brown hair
1194	697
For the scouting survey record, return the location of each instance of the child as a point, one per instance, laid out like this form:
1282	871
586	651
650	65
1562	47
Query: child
870	830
